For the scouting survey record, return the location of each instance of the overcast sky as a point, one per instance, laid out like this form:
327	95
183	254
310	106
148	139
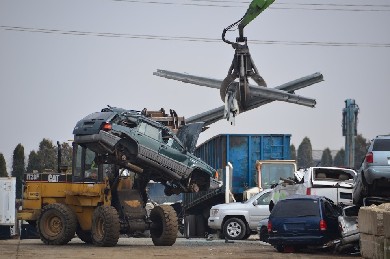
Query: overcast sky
61	60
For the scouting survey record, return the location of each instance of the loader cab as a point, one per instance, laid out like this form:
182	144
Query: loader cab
85	167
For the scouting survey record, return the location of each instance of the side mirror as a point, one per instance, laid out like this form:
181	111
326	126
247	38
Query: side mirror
255	203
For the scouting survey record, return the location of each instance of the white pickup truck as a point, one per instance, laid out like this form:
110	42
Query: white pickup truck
334	183
238	220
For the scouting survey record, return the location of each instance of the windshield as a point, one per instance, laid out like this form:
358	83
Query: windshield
263	198
381	145
296	208
271	173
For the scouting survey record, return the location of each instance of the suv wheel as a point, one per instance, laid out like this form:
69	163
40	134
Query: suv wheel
264	234
234	229
280	248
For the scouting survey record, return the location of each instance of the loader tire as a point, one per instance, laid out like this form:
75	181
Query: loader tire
84	235
105	226
57	224
164	225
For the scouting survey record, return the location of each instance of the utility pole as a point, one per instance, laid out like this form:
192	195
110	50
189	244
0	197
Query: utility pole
349	125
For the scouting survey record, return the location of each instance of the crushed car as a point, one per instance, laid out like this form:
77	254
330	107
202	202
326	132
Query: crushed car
334	183
144	146
348	225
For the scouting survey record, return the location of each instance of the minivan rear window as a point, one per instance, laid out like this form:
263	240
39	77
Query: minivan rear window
381	145
296	208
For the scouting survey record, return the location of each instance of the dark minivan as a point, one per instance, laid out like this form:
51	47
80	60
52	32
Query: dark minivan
302	221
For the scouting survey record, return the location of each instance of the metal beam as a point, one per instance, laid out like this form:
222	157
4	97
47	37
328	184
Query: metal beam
260	95
216	83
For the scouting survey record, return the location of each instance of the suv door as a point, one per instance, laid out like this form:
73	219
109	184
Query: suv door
259	210
149	140
172	149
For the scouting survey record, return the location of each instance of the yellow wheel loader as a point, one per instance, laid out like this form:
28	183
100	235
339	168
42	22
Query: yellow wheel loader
98	201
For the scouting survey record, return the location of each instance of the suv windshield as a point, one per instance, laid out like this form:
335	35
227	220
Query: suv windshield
381	145
296	208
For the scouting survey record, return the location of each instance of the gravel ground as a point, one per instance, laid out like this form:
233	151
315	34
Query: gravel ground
144	248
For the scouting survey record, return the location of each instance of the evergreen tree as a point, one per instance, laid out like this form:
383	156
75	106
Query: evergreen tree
18	168
361	145
293	152
339	158
305	154
34	162
326	159
3	166
66	154
47	155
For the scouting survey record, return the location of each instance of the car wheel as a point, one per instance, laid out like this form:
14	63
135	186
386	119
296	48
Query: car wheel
246	236
234	229
279	248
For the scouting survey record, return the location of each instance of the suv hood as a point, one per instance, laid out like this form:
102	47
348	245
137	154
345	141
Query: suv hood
189	134
231	206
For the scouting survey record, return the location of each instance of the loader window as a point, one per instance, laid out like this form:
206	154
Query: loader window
84	165
91	168
77	158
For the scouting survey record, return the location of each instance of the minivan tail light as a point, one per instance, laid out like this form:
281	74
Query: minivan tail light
308	191
107	126
370	157
323	225
269	226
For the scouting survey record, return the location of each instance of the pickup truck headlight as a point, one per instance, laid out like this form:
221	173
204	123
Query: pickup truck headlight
214	212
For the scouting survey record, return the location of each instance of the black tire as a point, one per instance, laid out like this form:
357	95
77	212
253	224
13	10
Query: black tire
264	234
234	229
246	236
164	225
57	224
190	226
279	248
85	236
105	226
32	222
200	226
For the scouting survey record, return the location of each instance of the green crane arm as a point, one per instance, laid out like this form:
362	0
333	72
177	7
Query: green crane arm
255	8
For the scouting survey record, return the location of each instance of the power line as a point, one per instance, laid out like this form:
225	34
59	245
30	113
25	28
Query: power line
191	39
305	4
280	6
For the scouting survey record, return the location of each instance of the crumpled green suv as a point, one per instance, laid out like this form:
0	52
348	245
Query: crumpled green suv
144	146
